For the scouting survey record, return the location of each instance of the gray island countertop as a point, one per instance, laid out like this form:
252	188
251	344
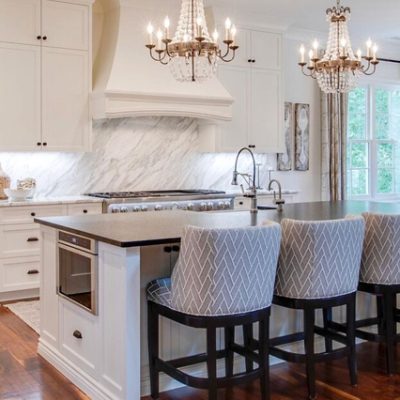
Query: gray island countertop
159	227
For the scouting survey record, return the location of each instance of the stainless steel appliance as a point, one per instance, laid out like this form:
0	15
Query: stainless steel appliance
77	270
159	200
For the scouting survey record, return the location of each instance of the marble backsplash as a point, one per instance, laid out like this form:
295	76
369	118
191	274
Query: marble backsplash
132	154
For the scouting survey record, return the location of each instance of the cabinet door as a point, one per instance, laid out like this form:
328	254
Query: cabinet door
19	97
266	50
233	134
65	100
243	54
266	111
20	21
65	25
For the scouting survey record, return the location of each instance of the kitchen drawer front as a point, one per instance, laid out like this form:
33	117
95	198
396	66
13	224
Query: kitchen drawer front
25	215
19	240
20	274
79	336
82	209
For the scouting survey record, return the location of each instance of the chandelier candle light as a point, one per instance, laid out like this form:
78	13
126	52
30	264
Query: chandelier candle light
192	53
337	70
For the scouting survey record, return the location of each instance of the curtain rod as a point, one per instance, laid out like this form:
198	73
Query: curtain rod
389	60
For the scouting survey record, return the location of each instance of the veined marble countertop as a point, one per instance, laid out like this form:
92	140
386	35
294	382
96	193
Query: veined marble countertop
43	201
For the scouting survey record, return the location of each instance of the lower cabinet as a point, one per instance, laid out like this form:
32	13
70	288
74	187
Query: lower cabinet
20	242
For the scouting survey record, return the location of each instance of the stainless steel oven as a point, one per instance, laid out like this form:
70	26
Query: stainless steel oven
77	270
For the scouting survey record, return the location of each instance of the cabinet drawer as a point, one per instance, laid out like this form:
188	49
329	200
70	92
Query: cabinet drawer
19	274
19	240
81	209
27	214
78	336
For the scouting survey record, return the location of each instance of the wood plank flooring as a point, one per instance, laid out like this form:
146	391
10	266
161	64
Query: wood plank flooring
26	376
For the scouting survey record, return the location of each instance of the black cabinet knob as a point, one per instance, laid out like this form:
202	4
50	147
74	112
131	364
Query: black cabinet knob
38	37
77	334
85	211
253	61
176	248
33	214
167	249
44	37
33	272
38	144
249	60
45	144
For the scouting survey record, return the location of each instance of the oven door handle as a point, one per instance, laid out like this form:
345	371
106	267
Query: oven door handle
74	250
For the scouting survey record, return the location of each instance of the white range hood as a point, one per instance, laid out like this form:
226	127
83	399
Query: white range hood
127	83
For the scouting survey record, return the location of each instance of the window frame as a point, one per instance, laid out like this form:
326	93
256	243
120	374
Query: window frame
372	144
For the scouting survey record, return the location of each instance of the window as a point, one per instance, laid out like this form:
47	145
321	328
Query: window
373	148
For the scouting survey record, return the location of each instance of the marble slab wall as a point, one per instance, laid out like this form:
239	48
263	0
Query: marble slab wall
131	154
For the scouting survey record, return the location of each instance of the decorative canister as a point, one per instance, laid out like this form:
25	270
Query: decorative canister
4	183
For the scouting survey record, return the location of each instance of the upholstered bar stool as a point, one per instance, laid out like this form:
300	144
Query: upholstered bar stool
380	276
319	268
223	278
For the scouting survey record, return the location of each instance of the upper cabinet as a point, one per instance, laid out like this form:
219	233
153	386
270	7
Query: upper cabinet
45	75
254	80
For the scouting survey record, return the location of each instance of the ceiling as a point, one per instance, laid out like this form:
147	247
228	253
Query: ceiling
378	19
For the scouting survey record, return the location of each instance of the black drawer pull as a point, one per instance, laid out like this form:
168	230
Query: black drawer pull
77	335
33	214
176	248
32	239
252	146
33	272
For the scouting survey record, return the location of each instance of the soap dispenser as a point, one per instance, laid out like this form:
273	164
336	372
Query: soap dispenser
4	183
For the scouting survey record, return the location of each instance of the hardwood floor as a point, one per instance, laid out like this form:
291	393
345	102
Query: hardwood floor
26	376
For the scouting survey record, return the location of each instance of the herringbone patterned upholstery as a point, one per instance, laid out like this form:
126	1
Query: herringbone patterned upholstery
225	271
319	259
381	255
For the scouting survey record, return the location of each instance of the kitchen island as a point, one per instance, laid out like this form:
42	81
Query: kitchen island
105	353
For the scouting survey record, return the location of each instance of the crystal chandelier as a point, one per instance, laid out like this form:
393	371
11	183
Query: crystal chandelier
192	54
337	70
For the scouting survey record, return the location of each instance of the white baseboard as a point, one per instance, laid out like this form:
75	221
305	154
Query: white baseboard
19	295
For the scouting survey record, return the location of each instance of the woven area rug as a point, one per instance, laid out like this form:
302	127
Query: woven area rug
28	311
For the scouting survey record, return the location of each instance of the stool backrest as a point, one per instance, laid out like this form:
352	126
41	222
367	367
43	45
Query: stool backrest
225	271
320	259
381	255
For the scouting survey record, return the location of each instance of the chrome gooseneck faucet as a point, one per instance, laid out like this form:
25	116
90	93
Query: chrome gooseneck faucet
278	201
253	187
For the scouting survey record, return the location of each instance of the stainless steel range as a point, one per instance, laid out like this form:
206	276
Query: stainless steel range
159	200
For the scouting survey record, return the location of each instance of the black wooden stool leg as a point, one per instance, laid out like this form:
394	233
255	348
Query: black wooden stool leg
247	338
309	322
229	340
351	340
327	312
379	313
153	337
212	363
264	358
390	329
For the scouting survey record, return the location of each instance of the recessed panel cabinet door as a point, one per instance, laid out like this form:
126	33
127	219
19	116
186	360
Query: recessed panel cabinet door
65	100
20	124
267	111
20	21
65	25
265	50
233	134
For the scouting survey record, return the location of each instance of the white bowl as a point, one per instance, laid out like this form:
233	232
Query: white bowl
18	194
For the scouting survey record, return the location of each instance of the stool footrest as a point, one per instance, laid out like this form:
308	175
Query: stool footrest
301	358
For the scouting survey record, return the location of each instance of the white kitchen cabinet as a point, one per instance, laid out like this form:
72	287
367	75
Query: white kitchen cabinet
45	66
255	82
65	96
66	25
20	96
21	242
20	21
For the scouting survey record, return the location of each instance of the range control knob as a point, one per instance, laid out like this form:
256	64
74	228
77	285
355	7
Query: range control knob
124	209
227	205
158	207
190	206
203	206
115	210
210	206
145	208
136	209
221	205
